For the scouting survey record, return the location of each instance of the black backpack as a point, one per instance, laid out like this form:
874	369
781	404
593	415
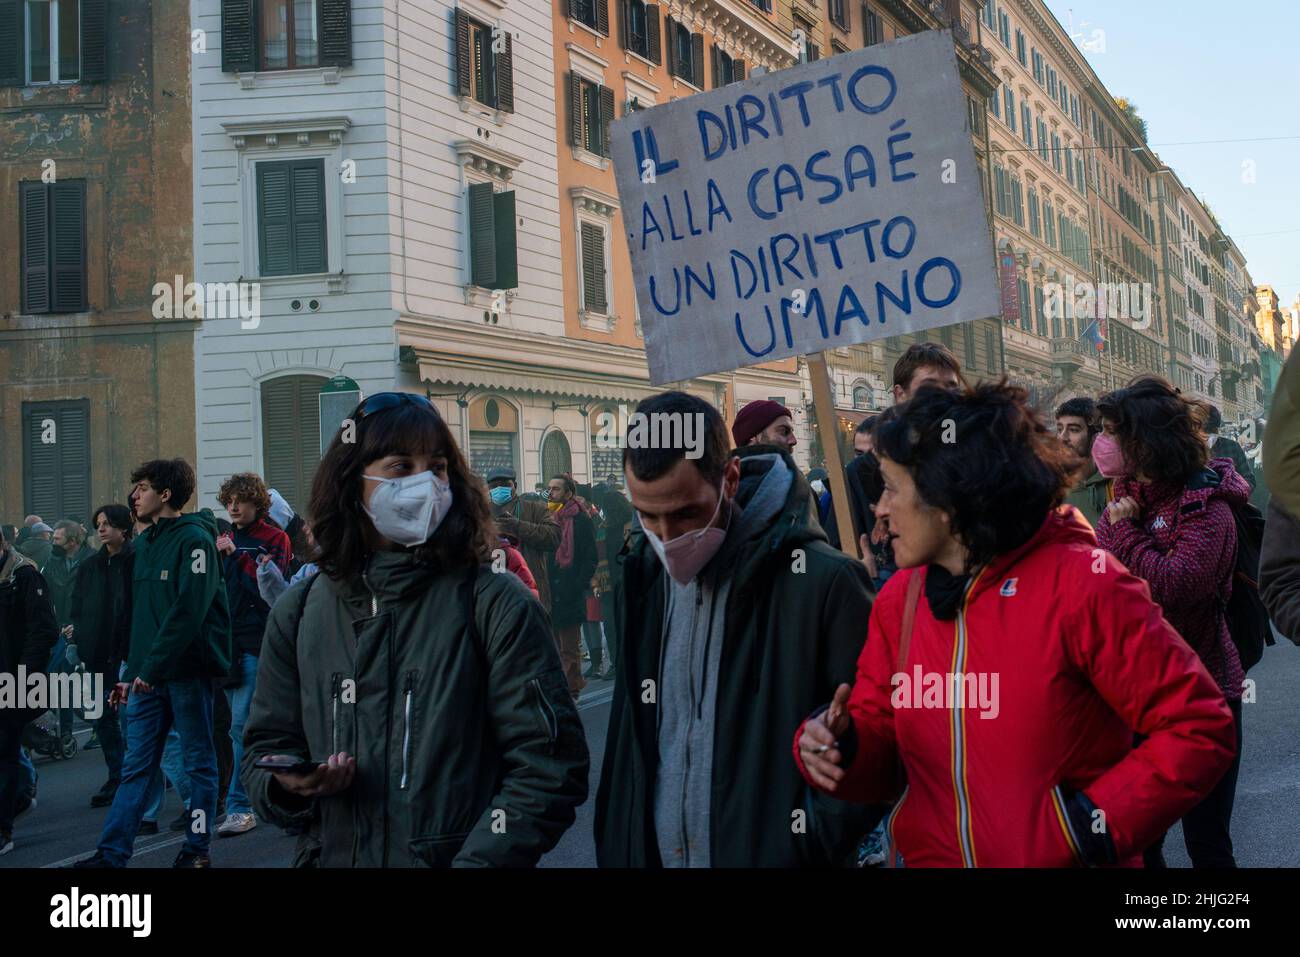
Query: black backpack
1244	611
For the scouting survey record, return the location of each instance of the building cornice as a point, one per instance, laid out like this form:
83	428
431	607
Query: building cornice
300	130
737	28
498	164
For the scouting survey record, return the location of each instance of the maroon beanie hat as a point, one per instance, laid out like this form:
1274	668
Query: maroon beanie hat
754	418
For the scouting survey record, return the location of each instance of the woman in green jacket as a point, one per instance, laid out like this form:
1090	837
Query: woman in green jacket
423	686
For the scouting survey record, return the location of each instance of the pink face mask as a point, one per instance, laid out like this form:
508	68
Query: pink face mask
685	555
1108	456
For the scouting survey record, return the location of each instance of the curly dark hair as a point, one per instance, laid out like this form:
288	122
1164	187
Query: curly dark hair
1160	431
998	480
467	534
247	487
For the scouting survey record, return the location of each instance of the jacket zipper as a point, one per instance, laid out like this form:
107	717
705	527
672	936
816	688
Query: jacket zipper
891	852
547	716
406	730
335	681
964	838
374	599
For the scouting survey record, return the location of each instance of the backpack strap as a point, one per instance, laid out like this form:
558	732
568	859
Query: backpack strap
909	616
302	605
469	609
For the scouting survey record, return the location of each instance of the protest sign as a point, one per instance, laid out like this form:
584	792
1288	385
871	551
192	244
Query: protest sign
831	203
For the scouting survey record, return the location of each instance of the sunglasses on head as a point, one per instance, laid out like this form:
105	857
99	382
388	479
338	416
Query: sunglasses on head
390	400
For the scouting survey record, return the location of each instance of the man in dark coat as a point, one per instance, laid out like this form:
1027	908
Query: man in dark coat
528	521
738	619
1222	447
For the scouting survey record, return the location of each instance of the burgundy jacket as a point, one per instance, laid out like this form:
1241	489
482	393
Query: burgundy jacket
1184	543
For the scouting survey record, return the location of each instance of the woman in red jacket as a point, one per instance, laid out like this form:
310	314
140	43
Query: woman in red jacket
1171	524
1009	662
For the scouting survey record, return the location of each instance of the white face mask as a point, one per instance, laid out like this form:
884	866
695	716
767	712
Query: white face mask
409	510
685	555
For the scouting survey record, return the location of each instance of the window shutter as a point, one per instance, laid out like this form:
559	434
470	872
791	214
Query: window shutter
11	43
35	255
652	33
593	268
575	110
737	70
670	28
697	59
56	475
506	78
624	16
68	245
309	217
291	436
507	252
94	43
238	36
606	114
602	16
463	63
273	219
714	62
482	236
335	32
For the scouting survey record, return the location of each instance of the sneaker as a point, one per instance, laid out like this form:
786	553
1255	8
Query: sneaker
190	859
93	743
147	827
104	796
236	823
6	842
182	821
96	860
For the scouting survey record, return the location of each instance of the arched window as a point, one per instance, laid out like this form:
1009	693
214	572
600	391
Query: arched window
861	397
556	458
493	436
606	455
291	436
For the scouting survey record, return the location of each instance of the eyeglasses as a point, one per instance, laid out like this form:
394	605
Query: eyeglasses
390	400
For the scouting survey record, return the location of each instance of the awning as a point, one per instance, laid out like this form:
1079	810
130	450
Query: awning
546	381
855	415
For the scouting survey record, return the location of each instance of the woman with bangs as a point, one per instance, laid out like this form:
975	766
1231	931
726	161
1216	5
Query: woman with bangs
410	707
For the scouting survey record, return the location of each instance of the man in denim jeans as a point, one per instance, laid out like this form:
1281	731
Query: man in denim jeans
180	640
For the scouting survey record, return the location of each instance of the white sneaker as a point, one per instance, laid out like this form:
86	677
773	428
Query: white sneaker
236	824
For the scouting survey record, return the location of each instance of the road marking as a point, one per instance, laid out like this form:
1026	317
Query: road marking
156	846
596	699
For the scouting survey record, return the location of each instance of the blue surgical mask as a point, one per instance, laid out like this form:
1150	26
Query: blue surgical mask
500	495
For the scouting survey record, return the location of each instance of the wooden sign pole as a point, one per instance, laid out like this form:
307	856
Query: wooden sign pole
828	427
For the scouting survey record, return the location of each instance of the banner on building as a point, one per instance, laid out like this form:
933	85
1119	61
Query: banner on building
1009	285
831	203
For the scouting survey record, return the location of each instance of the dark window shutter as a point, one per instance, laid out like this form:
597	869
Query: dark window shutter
56	475
573	9
606	114
291	436
35	253
652	33
670	29
602	16
238	36
697	59
309	217
482	236
335	32
94	41
506	78
463	62
737	70
575	110
274	237
624	29
593	268
68	246
716	64
507	250
11	43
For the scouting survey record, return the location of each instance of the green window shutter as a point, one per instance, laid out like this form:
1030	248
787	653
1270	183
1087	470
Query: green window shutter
737	70
34	229
309	217
505	64
335	32
652	33
624	26
482	236
670	28
291	436
56	475
697	59
274	223
606	114
68	246
463	62
507	250
602	16
238	36
593	268
575	110
715	61
11	43
94	41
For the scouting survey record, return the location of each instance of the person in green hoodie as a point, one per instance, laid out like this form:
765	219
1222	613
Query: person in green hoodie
1077	425
180	641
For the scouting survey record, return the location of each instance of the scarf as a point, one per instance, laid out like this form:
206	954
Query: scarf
10	561
943	592
564	554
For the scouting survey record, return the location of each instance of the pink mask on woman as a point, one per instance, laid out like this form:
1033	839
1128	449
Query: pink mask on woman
1108	456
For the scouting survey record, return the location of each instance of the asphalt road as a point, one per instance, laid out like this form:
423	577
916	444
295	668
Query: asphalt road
63	827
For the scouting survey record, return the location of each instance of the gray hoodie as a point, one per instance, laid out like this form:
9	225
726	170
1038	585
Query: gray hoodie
694	625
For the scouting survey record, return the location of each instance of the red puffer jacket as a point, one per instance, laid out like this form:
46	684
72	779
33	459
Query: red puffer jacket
1075	657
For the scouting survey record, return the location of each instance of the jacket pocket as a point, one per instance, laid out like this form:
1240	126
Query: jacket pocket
547	722
436	851
1061	815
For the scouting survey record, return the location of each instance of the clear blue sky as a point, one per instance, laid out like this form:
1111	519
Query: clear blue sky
1202	70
